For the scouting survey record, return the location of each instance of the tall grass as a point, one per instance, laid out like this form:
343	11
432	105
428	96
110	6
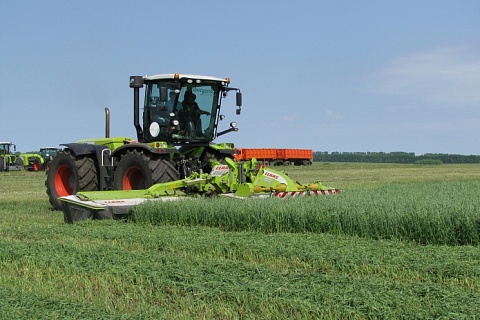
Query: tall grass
431	213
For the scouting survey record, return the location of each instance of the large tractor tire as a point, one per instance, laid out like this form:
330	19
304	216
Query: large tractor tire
137	170
68	175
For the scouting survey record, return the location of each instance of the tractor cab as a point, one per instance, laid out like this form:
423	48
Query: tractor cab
5	148
8	160
48	152
181	109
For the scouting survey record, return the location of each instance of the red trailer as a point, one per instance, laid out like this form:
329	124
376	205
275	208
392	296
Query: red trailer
275	157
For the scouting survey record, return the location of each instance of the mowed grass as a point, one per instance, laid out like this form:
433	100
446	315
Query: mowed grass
190	270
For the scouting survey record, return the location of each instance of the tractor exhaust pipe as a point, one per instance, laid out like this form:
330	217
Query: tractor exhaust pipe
136	82
107	123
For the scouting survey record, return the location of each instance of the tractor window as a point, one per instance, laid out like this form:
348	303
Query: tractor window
157	112
196	111
168	115
4	149
154	100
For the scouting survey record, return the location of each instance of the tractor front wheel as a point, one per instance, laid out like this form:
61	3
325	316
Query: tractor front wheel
137	170
35	164
68	175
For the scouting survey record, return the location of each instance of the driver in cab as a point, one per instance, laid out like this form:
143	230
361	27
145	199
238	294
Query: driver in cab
190	113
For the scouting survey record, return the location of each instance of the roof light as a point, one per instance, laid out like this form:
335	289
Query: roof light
176	76
227	79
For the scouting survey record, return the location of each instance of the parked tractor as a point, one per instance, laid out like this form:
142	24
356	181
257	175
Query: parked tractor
48	153
32	161
172	157
39	161
8	160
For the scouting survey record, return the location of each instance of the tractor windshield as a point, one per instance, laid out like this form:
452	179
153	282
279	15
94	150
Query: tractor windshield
48	153
181	112
4	148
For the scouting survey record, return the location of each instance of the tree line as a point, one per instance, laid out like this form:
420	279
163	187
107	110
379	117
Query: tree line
394	157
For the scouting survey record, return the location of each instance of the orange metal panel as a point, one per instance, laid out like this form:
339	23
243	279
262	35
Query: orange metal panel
260	153
306	154
273	154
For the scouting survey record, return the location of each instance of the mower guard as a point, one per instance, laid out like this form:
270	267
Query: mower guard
77	209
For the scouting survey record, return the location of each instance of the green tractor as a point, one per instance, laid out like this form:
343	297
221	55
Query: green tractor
47	154
39	161
32	161
8	160
180	119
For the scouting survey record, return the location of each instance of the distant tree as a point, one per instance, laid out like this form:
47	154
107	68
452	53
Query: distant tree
392	157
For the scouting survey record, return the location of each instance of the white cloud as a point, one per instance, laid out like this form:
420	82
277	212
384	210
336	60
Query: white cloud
444	76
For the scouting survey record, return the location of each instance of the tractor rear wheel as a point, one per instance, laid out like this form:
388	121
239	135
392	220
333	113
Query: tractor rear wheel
68	175
137	170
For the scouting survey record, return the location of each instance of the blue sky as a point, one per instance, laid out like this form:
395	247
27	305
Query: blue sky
323	75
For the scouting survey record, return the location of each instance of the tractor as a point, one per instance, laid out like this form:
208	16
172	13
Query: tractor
180	119
47	153
39	161
32	161
8	160
172	158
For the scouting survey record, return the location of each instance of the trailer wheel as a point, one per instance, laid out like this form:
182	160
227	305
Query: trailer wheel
68	175
137	170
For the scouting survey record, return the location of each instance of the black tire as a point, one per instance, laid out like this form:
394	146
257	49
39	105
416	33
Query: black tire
34	164
19	161
68	175
137	170
2	164
211	154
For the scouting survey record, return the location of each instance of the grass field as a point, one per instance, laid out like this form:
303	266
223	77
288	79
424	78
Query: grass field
401	241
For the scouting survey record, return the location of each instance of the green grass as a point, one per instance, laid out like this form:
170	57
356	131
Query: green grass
190	270
430	213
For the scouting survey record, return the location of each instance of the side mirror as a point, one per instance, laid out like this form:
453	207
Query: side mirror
163	94
136	81
239	99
